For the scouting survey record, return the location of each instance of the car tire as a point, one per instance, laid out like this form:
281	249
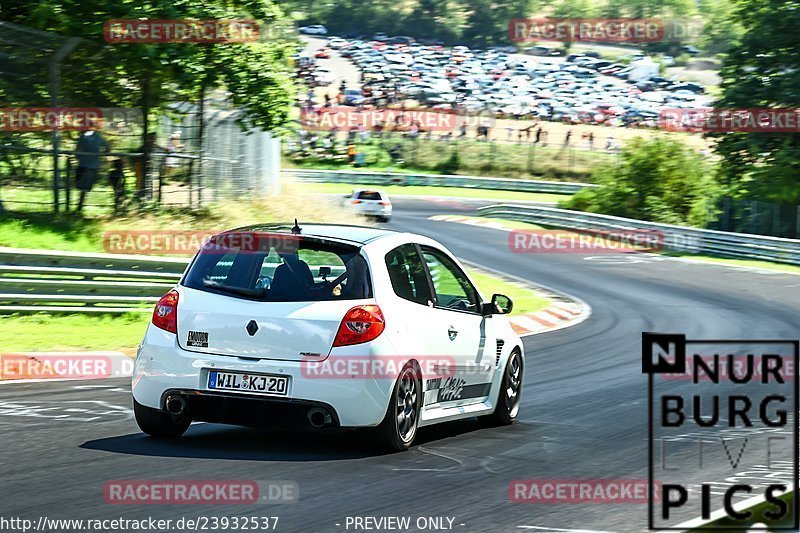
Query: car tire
159	423
510	394
384	219
399	426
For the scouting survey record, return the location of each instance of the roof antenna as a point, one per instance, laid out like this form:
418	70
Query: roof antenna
296	229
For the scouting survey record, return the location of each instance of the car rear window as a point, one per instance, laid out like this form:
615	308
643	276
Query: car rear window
280	268
369	195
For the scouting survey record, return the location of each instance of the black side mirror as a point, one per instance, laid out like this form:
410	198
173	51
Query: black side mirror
500	305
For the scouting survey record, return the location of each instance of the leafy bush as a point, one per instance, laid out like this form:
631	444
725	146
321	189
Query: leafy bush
660	180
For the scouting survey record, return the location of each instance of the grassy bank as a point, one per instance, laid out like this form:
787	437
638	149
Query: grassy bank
470	157
85	234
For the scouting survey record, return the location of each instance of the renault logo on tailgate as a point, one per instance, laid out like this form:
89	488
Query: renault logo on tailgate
252	327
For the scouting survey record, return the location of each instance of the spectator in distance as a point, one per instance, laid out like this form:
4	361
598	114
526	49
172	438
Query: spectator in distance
90	144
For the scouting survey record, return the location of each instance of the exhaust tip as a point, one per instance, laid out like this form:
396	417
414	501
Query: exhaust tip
318	417
176	405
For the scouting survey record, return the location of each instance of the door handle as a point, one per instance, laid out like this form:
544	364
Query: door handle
452	332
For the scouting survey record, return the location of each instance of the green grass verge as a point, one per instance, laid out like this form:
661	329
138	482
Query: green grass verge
43	230
46	332
84	233
122	332
748	263
525	300
424	190
758	517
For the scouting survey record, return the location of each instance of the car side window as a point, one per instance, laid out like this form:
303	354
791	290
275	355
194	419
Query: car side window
408	274
451	285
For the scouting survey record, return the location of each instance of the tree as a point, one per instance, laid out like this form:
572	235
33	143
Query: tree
722	28
763	71
660	180
487	21
574	9
434	17
151	76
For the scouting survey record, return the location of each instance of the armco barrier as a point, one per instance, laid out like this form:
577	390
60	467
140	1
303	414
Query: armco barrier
59	281
437	180
53	281
675	238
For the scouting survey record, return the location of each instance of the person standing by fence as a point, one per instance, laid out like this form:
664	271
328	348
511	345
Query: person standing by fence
90	144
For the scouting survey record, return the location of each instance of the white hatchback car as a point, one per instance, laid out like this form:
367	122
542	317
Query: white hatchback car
371	203
326	327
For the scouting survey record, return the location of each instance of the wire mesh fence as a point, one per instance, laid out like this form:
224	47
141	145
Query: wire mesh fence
184	155
757	217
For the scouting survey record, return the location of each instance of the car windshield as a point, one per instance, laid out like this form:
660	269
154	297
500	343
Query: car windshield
280	268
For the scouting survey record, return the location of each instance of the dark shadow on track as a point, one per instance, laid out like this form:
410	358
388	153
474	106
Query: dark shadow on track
217	441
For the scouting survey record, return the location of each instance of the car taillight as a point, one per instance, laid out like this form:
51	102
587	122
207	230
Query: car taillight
356	202
361	324
386	203
165	315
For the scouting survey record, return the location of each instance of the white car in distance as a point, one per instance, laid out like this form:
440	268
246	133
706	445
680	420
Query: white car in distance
326	327
371	203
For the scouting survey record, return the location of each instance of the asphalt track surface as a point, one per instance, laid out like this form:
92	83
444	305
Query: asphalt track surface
584	412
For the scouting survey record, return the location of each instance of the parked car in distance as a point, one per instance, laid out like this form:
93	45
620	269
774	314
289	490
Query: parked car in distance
315	29
353	97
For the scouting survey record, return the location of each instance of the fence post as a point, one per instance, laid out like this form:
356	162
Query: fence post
776	220
531	156
55	75
67	186
797	223
726	213
572	161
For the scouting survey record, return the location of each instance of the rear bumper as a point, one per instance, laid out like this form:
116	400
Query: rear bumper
250	410
162	366
379	211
